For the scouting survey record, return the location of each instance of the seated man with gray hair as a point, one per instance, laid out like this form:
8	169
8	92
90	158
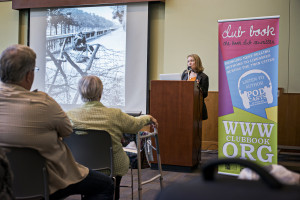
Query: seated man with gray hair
35	120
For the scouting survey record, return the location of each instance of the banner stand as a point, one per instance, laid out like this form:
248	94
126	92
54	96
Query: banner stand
248	87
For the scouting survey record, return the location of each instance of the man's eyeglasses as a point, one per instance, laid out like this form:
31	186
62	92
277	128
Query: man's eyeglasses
36	69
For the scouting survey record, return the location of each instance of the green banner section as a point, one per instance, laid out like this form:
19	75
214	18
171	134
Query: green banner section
247	136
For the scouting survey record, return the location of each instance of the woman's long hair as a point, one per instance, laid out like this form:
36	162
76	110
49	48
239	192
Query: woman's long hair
198	62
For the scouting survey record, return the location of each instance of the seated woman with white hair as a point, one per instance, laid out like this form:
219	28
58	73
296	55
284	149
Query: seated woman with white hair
94	115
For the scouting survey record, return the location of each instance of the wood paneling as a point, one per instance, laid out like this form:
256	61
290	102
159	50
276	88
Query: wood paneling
25	4
288	120
210	126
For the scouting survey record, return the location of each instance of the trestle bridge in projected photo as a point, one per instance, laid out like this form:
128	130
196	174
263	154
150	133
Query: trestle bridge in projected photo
65	66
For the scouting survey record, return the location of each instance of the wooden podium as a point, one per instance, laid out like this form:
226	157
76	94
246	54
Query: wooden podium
177	106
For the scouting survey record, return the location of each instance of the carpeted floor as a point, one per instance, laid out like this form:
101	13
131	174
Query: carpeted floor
149	191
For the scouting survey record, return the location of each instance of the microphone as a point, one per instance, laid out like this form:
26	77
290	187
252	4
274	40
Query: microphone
189	69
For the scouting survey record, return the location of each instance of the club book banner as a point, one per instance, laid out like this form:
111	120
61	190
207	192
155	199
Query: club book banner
248	85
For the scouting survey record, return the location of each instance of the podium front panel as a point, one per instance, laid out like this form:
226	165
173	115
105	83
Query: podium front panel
175	104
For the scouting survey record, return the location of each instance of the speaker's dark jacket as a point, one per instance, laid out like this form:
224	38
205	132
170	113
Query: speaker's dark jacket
203	85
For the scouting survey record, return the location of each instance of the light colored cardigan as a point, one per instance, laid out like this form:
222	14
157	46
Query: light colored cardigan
94	115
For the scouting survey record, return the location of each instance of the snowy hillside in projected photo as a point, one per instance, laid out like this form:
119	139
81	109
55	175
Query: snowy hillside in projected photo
86	41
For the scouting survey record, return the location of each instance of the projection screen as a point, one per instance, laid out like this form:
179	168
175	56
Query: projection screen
107	41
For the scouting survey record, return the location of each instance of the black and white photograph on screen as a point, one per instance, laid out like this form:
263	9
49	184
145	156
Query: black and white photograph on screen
86	41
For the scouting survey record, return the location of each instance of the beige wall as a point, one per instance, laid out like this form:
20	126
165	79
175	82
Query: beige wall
9	25
156	42
294	51
181	27
23	27
191	26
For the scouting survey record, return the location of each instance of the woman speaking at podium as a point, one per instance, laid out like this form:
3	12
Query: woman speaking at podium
194	72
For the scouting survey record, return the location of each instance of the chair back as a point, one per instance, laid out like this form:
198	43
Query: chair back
30	178
93	150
